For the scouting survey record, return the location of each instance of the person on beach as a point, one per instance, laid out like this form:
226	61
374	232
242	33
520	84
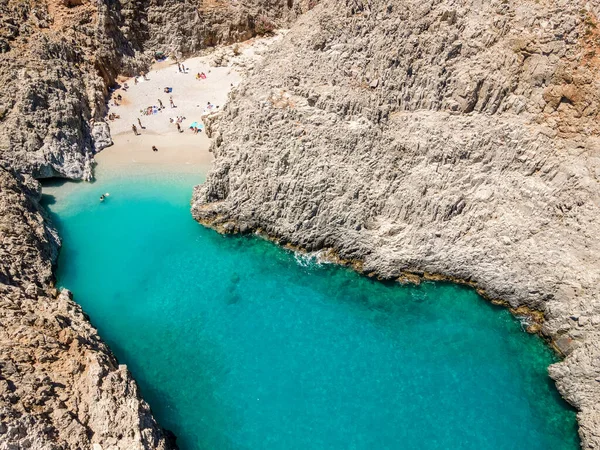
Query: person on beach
135	130
171	101
160	104
179	127
154	149
119	97
135	81
179	67
140	123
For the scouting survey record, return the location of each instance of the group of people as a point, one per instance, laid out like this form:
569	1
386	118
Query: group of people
144	77
177	122
156	109
195	127
150	110
117	100
178	119
134	128
210	108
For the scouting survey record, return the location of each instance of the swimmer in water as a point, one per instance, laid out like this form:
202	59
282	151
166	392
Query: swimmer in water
102	198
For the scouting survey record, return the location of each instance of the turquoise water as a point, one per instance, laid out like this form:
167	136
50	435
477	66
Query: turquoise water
238	344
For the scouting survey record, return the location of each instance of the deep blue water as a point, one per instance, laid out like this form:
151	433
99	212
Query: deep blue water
238	344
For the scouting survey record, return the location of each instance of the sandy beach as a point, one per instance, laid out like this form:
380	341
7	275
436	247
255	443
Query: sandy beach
182	151
191	96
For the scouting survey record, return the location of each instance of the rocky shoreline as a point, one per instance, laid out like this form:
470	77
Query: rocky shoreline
421	139
59	58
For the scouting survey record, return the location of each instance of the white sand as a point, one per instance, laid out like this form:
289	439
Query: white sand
179	151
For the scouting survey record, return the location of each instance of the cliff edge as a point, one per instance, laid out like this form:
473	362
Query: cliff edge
439	138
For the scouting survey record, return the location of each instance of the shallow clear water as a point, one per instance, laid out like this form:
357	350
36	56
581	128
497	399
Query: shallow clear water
238	344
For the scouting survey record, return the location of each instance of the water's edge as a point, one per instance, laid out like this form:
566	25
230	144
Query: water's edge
357	267
532	320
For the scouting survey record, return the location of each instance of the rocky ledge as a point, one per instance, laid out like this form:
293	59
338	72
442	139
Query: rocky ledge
415	138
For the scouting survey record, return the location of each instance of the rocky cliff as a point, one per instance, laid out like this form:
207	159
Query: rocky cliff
60	386
433	138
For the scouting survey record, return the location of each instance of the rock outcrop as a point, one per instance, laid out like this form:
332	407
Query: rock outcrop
58	59
183	28
60	386
454	138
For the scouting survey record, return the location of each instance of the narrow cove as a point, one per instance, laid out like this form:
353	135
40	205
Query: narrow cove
238	344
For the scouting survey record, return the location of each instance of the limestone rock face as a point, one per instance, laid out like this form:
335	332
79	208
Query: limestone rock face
58	60
60	386
456	138
184	27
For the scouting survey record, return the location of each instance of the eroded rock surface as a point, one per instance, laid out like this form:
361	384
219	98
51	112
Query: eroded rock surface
56	61
60	386
446	137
